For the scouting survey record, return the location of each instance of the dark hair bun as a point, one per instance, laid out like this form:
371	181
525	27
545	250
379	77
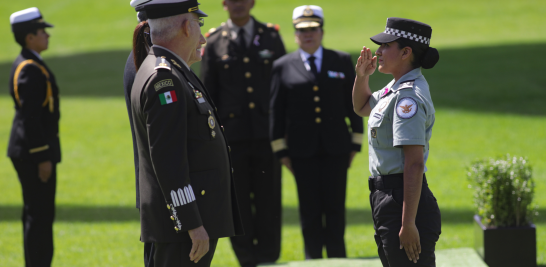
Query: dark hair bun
430	58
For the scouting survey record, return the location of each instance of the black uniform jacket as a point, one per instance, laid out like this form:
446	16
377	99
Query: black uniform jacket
239	81
308	114
128	79
185	174
35	131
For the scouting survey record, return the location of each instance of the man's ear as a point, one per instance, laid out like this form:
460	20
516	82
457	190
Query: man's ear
186	28
28	39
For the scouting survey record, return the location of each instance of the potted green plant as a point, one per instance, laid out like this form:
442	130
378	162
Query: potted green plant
503	194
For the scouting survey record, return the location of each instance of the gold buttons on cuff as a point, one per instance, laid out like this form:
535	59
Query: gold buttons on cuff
226	66
317	109
176	228
266	61
318	120
229	148
203	192
210	112
231	115
248	75
317	99
172	218
251	105
315	88
250	89
168	207
246	60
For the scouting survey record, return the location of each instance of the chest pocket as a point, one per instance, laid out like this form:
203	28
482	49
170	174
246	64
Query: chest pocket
379	129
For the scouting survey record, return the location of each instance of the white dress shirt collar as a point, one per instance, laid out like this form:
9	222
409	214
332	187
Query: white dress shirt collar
248	27
36	54
318	58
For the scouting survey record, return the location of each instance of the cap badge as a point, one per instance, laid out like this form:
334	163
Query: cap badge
193	9
308	12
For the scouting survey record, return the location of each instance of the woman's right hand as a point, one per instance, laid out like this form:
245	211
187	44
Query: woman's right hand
366	64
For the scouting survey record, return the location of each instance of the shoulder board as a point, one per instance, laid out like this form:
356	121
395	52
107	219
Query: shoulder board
162	63
274	26
406	85
213	31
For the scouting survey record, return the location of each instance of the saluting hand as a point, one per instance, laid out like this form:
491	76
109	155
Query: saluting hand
409	240
200	243
365	65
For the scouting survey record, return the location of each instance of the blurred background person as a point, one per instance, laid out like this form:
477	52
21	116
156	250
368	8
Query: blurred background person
141	45
236	70
406	216
34	146
311	97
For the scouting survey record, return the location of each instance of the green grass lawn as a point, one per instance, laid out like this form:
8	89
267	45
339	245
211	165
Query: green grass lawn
488	89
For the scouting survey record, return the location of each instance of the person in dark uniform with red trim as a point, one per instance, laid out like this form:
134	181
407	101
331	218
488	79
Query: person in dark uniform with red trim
236	70
187	192
34	146
310	101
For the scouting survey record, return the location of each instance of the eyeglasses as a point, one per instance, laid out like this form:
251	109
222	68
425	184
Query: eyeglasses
201	21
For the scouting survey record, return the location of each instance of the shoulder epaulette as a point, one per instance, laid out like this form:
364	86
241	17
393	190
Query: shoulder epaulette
406	85
214	30
162	63
274	26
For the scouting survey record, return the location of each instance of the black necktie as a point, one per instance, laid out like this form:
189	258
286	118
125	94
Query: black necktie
313	66
242	41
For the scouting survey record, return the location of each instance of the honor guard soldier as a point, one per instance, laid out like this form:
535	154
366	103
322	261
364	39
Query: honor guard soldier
405	212
34	146
311	98
187	193
236	69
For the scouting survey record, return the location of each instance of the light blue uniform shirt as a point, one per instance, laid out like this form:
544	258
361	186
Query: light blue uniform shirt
402	114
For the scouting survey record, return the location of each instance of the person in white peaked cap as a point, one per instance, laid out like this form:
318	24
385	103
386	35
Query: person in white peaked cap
34	146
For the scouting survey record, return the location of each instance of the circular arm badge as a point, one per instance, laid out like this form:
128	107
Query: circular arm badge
406	108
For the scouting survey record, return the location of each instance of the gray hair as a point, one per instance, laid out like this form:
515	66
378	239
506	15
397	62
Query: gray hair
163	30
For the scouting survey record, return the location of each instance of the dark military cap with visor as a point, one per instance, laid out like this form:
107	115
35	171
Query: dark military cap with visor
156	9
404	28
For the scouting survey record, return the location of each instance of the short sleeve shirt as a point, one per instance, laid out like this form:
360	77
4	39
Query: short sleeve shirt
402	114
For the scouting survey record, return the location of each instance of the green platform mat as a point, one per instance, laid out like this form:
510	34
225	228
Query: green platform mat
459	257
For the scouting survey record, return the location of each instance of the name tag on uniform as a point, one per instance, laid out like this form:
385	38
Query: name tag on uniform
336	74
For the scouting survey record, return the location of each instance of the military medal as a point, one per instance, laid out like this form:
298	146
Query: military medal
374	133
212	123
199	96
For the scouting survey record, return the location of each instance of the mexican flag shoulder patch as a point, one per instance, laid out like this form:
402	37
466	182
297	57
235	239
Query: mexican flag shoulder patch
167	97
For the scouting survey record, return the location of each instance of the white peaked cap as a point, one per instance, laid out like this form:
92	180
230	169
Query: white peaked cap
135	3
25	15
301	11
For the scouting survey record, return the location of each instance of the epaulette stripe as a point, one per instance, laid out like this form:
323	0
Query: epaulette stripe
49	93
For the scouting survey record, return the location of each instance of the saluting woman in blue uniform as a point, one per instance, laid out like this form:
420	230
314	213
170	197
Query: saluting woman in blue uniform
406	216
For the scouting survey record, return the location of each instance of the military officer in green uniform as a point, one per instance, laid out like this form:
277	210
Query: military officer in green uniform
236	69
34	146
187	193
406	216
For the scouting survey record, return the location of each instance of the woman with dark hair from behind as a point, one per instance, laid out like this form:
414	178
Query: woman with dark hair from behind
141	45
406	216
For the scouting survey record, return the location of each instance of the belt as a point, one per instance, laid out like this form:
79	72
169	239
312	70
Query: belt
391	181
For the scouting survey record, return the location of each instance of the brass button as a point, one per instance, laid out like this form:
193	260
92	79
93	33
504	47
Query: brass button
317	99
246	60
223	130
315	88
203	192
231	115
210	112
224	33
176	228
318	120
251	105
250	89
168	207
248	75
224	57
172	218
226	66
229	148
266	61
317	109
